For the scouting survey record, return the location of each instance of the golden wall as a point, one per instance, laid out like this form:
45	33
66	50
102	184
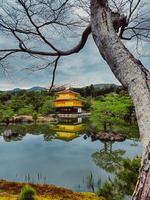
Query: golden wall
71	103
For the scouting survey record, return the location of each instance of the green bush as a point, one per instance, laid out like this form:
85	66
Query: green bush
47	108
111	190
6	115
87	104
26	110
27	193
35	117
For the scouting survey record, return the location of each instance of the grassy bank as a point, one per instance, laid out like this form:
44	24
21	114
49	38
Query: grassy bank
11	191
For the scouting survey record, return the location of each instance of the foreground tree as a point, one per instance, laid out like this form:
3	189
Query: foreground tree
110	22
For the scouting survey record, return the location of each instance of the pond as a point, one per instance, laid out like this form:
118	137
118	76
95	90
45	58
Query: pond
59	154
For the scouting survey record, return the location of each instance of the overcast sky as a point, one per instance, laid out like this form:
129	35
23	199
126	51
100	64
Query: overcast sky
81	69
84	68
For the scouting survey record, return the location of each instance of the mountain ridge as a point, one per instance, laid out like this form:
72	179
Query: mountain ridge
40	88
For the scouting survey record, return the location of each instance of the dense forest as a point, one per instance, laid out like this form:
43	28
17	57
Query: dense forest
108	102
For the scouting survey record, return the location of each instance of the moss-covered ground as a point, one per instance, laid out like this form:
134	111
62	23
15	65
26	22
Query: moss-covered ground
11	191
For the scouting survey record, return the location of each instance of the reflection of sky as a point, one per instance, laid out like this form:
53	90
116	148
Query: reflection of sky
64	164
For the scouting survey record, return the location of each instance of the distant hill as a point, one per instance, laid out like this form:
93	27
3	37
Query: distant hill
102	86
105	85
95	90
36	88
15	90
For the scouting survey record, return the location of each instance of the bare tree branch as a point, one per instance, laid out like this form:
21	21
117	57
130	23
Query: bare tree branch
30	21
76	49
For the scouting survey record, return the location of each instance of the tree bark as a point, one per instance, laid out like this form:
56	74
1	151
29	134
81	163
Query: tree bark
142	188
127	69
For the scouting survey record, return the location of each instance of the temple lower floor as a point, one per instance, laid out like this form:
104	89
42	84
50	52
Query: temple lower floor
69	110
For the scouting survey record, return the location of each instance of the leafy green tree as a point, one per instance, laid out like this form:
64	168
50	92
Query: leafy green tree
21	93
87	104
35	99
111	190
47	107
128	174
5	97
87	91
6	115
125	181
35	117
26	110
92	90
16	103
111	108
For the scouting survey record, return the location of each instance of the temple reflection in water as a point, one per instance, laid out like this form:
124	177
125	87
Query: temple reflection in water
64	129
69	129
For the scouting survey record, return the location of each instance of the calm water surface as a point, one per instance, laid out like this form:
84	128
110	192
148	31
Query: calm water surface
58	162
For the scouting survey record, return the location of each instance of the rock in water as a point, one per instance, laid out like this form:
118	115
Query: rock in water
9	133
108	136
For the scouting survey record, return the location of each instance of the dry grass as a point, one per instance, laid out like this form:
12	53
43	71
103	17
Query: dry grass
11	190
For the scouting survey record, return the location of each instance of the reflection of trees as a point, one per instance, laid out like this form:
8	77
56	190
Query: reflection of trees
36	178
108	159
47	130
9	135
13	138
107	146
21	130
49	137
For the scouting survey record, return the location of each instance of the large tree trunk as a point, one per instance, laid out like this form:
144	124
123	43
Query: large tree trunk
127	69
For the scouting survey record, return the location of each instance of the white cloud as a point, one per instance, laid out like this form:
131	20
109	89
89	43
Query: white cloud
81	69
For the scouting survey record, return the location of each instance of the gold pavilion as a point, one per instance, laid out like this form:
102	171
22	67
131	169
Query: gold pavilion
67	101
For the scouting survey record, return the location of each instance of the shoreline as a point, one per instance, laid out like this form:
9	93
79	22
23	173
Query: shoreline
44	119
11	190
29	119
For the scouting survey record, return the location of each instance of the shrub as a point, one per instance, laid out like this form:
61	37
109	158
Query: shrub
26	110
6	115
125	181
87	105
111	190
47	108
35	117
27	193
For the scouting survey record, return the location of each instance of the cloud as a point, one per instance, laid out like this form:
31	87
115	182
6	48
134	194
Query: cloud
84	68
